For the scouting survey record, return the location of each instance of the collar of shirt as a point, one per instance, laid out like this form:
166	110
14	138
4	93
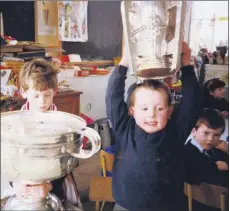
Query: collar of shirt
26	107
197	145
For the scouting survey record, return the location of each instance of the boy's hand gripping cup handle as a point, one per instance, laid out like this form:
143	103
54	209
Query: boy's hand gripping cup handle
95	140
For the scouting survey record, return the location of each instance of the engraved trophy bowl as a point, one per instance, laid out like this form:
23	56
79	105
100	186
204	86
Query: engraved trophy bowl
39	147
153	33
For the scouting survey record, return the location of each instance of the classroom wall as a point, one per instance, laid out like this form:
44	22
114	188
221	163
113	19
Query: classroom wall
94	91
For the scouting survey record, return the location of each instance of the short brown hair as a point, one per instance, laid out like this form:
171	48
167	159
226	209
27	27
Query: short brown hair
213	84
40	73
151	84
211	118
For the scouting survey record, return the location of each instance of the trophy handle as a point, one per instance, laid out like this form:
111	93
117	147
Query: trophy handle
95	140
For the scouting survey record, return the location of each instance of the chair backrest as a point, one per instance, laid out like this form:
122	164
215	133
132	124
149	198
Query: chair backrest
106	160
101	189
208	194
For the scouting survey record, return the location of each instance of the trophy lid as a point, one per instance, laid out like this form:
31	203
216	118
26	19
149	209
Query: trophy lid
29	127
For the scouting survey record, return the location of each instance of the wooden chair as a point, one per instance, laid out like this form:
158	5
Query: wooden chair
207	194
101	186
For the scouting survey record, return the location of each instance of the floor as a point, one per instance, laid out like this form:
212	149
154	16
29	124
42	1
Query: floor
82	174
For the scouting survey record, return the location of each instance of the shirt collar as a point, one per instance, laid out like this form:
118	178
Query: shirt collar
26	106
197	145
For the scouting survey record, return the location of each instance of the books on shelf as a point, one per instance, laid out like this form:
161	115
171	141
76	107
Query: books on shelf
22	46
29	54
11	48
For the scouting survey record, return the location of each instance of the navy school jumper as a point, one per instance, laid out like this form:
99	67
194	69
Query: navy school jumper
148	168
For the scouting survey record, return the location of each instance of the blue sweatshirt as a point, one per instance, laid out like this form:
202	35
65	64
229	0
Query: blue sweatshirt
148	168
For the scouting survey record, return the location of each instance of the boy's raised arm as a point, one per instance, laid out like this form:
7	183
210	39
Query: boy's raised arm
116	108
191	103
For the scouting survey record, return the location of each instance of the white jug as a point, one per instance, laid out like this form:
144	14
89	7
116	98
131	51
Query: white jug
153	34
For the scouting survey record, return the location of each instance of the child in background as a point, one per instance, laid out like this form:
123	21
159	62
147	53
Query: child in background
148	166
214	90
38	81
205	159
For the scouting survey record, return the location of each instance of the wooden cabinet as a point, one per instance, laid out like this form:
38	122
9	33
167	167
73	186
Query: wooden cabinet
68	102
65	101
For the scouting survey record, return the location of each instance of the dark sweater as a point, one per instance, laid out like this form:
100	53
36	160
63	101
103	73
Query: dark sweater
215	103
148	168
203	168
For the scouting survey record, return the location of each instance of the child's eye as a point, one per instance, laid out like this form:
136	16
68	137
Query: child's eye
160	109
35	96
144	109
206	133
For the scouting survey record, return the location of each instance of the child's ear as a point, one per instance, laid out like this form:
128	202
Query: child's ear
55	91
131	111
193	132
23	93
170	110
211	93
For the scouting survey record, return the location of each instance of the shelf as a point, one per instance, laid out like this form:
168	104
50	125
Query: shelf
92	63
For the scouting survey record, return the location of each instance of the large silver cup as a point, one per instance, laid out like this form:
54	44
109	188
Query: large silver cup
38	147
153	33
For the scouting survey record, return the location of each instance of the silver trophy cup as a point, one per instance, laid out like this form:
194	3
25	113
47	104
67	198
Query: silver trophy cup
39	147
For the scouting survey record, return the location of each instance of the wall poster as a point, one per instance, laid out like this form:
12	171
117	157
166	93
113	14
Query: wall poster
72	21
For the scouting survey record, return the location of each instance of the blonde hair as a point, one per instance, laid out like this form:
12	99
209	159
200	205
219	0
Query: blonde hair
39	74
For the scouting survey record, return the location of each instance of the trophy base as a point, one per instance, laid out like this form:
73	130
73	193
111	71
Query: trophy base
50	203
154	73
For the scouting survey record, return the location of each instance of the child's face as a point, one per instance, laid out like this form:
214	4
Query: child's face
39	100
207	137
218	93
150	110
